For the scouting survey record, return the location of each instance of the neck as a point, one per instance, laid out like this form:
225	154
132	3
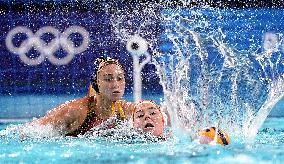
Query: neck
103	106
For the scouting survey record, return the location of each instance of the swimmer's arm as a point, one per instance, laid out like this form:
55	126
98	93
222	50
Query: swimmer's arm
65	118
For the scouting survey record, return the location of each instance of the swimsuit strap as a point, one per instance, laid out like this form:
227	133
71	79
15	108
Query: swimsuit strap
120	113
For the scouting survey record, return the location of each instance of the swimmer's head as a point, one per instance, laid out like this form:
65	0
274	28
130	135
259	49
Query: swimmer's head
108	78
147	116
210	134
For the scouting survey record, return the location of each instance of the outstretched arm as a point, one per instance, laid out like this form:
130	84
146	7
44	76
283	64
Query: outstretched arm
67	117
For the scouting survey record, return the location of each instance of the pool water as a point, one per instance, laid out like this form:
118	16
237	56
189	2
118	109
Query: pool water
267	148
214	32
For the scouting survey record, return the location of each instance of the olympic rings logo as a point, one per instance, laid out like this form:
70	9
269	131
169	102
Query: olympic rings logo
47	50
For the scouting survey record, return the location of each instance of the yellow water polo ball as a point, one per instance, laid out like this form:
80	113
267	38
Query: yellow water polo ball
220	137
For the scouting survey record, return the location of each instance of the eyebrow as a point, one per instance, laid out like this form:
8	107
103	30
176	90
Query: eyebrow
139	111
107	75
121	74
153	108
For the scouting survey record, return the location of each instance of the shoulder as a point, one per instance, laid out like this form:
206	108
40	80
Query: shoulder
79	106
73	107
79	101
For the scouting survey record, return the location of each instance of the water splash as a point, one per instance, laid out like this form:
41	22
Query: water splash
276	92
208	82
122	132
30	131
139	19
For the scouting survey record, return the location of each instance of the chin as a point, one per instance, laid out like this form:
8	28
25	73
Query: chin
157	134
116	98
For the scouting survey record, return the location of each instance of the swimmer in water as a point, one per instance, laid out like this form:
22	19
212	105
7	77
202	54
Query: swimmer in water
80	115
148	117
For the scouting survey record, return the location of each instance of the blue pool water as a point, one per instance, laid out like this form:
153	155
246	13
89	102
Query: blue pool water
28	106
231	59
267	148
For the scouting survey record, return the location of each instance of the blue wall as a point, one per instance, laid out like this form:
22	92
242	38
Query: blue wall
45	77
18	77
243	28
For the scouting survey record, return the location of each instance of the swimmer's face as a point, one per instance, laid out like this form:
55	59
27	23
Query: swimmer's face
148	117
111	82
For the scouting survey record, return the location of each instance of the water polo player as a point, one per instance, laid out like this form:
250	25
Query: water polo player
80	115
148	117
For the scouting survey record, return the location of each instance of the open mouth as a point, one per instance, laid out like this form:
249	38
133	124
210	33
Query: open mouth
116	92
149	125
